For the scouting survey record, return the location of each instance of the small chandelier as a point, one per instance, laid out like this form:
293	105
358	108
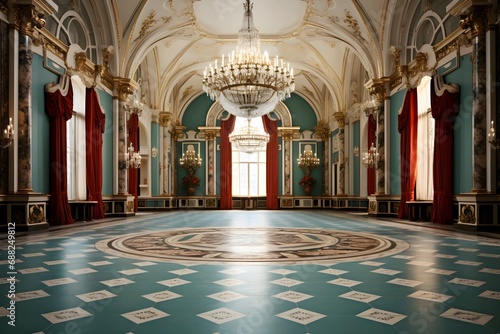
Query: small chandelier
247	84
132	159
371	157
190	161
8	135
308	161
249	139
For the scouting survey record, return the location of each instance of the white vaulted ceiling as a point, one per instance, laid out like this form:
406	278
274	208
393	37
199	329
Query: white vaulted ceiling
333	46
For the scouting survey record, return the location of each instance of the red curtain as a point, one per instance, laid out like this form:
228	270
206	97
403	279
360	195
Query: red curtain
271	127
444	110
372	127
94	127
407	127
60	109
133	173
226	164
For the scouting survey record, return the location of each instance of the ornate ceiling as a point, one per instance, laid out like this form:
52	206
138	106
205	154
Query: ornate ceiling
333	46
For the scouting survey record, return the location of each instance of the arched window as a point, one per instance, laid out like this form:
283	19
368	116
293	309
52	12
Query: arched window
249	169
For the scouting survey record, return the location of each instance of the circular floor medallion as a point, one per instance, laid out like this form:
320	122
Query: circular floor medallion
252	245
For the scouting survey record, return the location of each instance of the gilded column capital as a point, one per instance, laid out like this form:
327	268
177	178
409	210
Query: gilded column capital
30	16
322	130
377	88
340	118
210	133
178	132
287	133
165	119
476	19
124	87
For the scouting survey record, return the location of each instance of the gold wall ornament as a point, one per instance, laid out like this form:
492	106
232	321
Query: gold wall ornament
288	133
28	18
178	132
468	214
36	214
124	87
209	133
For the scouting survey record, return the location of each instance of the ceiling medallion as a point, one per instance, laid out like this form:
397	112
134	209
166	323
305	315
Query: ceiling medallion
246	84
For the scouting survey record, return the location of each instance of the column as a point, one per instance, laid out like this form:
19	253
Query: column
122	149
26	19
177	134
340	118
287	137
322	131
165	122
211	134
378	89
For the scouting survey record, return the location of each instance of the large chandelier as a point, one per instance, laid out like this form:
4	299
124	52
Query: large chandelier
249	139
246	84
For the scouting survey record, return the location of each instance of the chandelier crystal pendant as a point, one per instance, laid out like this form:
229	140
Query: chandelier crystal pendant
247	84
249	139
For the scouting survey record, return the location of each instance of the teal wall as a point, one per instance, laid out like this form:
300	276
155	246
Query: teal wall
463	171
196	113
394	145
107	143
302	113
155	167
355	163
40	127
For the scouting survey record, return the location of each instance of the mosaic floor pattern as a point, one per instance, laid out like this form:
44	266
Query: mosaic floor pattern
255	244
430	281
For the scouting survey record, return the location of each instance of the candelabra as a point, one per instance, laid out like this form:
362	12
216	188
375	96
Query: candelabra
8	135
308	161
190	161
132	159
371	157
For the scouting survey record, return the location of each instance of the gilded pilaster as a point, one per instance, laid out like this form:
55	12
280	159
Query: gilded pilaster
210	134
124	88
340	118
178	133
476	20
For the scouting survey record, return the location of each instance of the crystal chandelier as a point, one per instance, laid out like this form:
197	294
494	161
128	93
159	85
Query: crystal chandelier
371	157
308	161
246	84
249	139
8	135
132	159
190	161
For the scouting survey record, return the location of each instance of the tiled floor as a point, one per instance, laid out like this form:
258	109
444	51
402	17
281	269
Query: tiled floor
445	282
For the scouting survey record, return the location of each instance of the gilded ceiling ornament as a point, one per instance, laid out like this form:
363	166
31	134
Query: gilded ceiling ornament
187	92
187	11
312	10
147	24
353	24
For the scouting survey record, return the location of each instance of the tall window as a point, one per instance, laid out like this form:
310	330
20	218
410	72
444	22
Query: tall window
425	142
249	169
75	141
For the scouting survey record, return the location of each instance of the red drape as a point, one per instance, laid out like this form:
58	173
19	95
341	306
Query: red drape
407	127
271	127
444	110
372	127
60	109
94	125
133	173
226	164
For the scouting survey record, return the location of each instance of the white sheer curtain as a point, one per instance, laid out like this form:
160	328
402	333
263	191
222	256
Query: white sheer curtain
425	142
76	152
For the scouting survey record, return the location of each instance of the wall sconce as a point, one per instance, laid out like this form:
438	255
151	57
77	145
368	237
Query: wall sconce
491	136
154	152
8	135
190	161
355	150
308	161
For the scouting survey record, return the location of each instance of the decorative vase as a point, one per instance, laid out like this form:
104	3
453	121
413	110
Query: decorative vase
190	190
307	189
